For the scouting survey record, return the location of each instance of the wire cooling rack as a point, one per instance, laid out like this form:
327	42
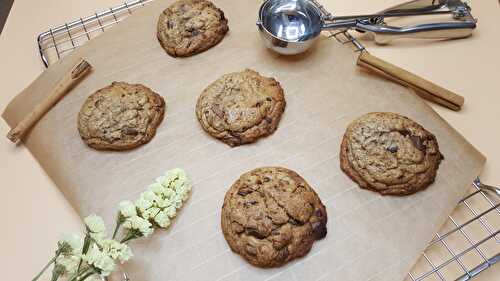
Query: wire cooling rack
460	250
56	42
468	243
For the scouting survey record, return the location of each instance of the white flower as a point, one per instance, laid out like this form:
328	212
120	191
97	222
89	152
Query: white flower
185	195
168	193
170	211
182	193
140	224
149	195
170	176
162	219
127	209
70	244
178	185
157	188
177	201
115	249
150	213
182	176
125	254
160	179
95	223
69	262
163	202
106	264
100	260
158	204
143	204
177	172
93	254
95	226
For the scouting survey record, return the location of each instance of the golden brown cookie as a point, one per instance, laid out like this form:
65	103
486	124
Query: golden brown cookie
241	107
120	116
189	27
271	216
390	154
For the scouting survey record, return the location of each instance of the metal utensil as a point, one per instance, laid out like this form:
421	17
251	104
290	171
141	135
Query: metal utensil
291	26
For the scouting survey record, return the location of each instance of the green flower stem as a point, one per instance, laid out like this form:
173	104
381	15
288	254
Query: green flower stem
119	222
45	267
130	235
55	275
86	275
75	275
86	245
126	239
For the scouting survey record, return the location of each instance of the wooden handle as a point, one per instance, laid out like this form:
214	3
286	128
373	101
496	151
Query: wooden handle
62	87
424	88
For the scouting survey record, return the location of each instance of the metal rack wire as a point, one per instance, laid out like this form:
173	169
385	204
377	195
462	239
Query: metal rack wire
470	246
460	251
56	42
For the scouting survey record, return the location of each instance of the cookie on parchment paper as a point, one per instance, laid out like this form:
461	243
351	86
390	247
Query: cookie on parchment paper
189	27
389	154
241	107
120	116
271	216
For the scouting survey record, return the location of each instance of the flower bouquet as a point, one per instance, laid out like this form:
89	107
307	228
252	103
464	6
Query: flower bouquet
94	256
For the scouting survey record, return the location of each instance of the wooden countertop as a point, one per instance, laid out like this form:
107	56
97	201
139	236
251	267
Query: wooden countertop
36	212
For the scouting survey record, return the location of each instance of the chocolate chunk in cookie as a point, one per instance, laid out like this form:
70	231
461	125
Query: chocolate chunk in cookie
189	27
241	107
271	216
390	154
120	116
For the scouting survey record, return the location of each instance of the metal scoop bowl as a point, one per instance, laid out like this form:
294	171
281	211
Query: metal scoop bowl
291	26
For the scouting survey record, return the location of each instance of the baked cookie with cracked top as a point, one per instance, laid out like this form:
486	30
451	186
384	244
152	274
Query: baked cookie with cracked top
389	154
120	116
271	216
189	27
241	107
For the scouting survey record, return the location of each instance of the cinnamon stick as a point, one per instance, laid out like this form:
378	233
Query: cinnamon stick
67	82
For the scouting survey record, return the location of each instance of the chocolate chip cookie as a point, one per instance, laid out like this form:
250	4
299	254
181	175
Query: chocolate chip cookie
189	27
271	216
120	116
390	154
241	107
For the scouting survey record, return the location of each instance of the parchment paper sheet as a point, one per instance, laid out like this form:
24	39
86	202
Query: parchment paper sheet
370	237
